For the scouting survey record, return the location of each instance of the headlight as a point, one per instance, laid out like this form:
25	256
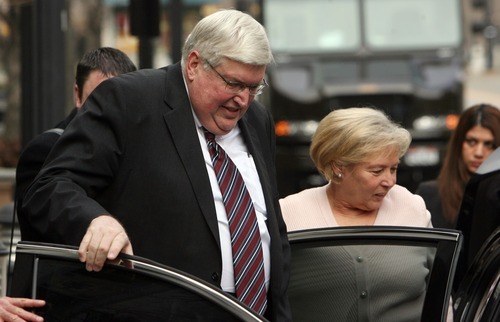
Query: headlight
296	128
439	122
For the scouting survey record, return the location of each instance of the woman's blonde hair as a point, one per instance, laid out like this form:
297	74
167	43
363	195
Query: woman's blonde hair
354	135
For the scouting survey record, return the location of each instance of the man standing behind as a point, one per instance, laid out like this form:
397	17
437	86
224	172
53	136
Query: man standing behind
139	166
95	66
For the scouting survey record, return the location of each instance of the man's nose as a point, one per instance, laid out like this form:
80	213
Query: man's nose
244	97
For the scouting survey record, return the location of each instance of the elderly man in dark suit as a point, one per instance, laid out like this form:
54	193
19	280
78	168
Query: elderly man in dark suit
135	172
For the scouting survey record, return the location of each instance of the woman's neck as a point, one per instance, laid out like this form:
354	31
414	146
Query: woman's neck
347	215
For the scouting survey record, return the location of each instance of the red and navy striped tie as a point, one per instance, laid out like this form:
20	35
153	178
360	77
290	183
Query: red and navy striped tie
245	236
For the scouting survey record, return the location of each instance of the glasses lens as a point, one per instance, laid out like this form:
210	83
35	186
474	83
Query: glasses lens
235	87
258	89
255	90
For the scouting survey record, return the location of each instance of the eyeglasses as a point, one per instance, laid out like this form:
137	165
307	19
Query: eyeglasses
238	87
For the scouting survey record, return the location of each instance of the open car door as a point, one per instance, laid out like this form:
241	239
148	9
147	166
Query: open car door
135	290
365	273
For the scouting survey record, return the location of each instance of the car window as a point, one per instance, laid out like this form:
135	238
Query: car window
147	291
372	273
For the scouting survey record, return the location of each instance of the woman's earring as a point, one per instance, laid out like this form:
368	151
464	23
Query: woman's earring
339	175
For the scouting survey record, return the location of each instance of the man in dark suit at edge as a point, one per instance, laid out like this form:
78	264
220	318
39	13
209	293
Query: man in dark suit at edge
95	66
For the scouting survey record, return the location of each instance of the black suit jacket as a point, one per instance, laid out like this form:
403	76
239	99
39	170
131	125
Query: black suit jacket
29	164
428	190
133	151
478	218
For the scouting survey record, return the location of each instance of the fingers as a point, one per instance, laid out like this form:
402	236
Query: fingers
24	302
119	244
128	250
84	245
105	239
11	309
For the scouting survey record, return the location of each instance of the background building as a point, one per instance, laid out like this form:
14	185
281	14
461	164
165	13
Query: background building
42	40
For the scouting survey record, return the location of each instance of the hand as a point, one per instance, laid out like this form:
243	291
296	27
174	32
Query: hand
11	309
104	240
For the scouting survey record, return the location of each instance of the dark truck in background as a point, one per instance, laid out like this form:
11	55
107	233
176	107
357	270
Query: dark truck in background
403	56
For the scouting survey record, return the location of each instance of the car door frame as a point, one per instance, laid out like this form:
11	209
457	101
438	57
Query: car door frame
448	243
28	254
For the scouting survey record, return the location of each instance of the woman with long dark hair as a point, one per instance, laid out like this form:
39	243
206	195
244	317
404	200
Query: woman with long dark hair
476	136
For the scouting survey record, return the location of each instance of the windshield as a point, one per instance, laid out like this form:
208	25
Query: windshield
322	26
412	23
297	26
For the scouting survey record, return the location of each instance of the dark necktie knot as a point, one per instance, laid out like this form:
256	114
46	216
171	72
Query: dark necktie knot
213	147
209	136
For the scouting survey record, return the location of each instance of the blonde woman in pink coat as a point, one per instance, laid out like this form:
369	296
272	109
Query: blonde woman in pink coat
358	151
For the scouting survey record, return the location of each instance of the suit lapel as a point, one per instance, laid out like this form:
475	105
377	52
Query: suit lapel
180	123
250	136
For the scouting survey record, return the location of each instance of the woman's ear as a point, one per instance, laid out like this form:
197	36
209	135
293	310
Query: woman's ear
336	167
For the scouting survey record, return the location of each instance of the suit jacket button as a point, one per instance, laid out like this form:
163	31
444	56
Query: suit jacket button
215	276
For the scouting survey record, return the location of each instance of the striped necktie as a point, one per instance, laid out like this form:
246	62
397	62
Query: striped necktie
245	235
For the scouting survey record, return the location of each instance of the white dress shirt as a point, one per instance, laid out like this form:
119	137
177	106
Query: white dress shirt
237	151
